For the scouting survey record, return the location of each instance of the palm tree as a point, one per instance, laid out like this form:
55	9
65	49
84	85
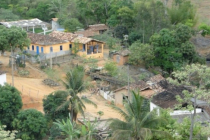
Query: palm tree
75	84
138	122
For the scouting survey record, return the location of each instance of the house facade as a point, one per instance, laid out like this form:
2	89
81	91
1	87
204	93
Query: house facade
121	57
3	78
87	47
47	46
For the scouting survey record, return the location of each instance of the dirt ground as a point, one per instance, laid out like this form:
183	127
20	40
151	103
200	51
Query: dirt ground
33	90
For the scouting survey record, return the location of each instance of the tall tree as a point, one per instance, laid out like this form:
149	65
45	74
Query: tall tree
141	54
16	38
182	12
75	84
197	78
72	25
150	18
51	103
138	122
173	49
7	15
3	39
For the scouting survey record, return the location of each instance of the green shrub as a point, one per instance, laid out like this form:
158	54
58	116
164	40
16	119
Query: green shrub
30	124
10	104
111	68
51	104
23	72
22	65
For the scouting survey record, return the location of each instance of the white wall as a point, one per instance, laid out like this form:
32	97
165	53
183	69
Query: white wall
180	112
153	106
3	79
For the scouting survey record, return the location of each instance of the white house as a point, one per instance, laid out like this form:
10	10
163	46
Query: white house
3	78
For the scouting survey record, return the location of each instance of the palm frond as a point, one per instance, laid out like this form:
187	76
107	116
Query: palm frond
120	111
86	100
121	135
67	102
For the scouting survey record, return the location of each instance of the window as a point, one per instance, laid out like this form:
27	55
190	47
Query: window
51	49
84	47
42	49
61	47
70	46
33	47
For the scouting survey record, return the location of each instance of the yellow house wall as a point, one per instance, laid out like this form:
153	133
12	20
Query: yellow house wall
84	53
56	47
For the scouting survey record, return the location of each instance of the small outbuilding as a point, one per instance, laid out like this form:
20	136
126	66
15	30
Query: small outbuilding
121	57
98	28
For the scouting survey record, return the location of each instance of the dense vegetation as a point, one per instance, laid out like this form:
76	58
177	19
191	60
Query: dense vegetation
158	36
10	105
30	124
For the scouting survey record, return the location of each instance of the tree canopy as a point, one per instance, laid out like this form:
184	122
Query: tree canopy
52	102
30	124
12	37
11	103
196	78
172	48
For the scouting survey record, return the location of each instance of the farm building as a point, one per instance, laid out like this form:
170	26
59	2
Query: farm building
47	46
87	47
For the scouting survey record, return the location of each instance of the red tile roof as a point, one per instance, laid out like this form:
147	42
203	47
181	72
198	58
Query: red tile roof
44	39
63	35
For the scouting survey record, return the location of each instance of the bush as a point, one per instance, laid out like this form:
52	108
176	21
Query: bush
23	72
51	104
111	68
30	124
10	104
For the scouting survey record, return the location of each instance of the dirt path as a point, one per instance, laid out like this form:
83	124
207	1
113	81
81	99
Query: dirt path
33	91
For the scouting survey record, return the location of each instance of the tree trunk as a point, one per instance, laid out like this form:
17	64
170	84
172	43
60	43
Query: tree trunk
72	115
192	120
12	54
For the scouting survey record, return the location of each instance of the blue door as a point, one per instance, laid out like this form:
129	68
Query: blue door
37	49
42	49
